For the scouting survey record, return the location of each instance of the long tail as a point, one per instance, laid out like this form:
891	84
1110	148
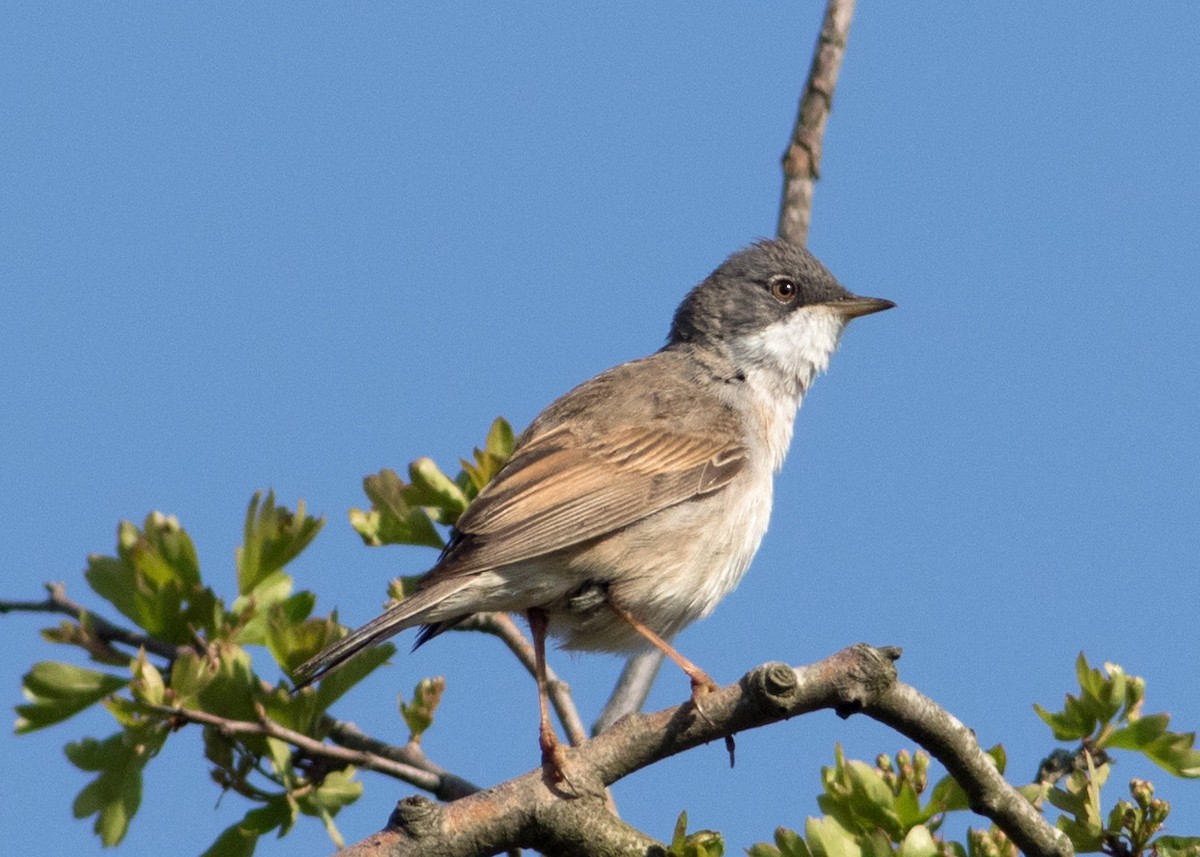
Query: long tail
413	610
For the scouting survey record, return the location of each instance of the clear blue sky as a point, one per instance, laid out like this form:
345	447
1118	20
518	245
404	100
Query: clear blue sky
288	246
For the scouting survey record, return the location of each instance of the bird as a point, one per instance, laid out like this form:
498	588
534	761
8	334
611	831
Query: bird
635	502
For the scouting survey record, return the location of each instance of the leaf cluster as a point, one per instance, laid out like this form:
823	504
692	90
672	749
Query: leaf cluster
877	810
204	671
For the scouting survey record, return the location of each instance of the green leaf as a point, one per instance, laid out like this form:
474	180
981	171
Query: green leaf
57	691
1138	734
418	715
239	839
949	795
155	580
338	789
431	488
161	551
121	586
1083	836
871	799
115	795
234	841
230	686
1177	846
702	843
291	644
273	537
392	519
679	835
827	838
190	675
147	686
999	757
918	843
791	843
253	609
500	439
762	849
487	461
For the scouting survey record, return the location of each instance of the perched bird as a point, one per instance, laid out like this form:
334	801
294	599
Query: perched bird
634	503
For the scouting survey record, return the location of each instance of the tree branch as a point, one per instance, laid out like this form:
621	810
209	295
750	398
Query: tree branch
530	812
802	160
410	774
915	715
449	786
58	602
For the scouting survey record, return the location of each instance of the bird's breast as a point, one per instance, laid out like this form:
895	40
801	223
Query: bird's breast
673	567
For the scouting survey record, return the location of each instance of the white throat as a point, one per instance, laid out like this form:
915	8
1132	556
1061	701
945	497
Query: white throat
780	362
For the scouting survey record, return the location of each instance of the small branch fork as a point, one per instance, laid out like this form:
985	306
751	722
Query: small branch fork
57	602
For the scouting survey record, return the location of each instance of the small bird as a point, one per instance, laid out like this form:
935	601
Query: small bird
633	504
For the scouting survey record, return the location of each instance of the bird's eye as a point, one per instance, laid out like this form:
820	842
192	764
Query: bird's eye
784	289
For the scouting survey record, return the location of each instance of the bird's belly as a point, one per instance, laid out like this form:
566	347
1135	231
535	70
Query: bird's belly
668	570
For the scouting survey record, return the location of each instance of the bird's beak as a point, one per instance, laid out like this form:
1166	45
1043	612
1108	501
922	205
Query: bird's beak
853	306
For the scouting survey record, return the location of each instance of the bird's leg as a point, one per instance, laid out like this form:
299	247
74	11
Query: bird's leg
701	682
553	757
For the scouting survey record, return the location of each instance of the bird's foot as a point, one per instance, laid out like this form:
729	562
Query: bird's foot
554	761
702	686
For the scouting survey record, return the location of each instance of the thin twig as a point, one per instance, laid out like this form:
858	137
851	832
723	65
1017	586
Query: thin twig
58	602
501	625
311	746
802	160
631	690
449	786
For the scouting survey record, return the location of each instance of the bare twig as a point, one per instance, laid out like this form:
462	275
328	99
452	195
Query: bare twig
310	746
501	625
58	602
530	812
631	689
449	786
802	160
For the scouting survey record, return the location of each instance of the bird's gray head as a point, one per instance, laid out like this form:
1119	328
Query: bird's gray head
771	306
773	314
761	286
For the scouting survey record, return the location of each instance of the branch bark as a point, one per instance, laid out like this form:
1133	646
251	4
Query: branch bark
802	160
58	602
530	812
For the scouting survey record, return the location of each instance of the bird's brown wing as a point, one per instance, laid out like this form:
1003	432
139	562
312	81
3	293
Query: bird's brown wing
561	489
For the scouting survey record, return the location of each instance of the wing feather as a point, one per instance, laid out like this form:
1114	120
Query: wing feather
559	490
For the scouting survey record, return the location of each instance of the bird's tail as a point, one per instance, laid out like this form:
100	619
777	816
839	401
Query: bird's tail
413	610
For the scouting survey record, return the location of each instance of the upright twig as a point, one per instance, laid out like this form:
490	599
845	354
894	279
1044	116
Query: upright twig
802	160
502	626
